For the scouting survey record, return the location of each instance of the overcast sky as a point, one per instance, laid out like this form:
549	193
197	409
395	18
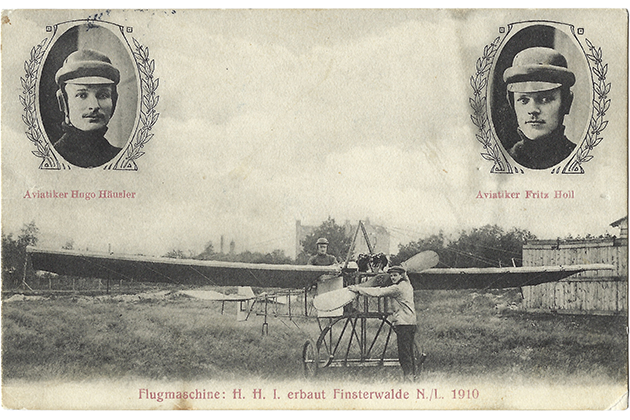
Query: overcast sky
272	117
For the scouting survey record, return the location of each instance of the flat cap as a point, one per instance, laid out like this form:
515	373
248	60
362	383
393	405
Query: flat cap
538	69
397	269
322	241
87	67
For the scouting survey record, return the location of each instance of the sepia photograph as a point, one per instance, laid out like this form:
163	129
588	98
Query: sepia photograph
78	94
331	209
533	93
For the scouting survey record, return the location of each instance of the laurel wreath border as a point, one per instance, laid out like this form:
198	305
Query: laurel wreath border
478	103
34	132
492	151
601	104
148	113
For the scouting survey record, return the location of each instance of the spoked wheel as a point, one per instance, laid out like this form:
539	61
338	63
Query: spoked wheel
310	359
324	347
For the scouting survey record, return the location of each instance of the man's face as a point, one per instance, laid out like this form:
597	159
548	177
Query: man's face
396	277
538	113
89	106
322	249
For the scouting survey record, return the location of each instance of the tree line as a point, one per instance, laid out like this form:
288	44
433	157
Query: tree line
14	262
486	246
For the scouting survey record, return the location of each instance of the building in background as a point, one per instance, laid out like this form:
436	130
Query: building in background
378	235
593	292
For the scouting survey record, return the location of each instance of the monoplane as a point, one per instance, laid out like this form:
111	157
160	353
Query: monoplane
353	331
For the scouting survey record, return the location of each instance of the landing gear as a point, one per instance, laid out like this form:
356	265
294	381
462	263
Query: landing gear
310	359
355	340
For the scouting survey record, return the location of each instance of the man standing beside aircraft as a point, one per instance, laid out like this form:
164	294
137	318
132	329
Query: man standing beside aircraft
403	318
322	257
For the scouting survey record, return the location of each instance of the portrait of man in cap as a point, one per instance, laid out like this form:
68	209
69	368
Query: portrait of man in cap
322	257
87	97
538	88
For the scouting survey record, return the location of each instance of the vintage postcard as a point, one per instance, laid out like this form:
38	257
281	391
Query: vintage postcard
315	209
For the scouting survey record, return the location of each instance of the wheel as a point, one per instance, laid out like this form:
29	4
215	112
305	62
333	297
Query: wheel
310	359
324	356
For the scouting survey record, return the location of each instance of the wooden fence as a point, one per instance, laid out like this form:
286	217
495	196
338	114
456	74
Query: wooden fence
597	292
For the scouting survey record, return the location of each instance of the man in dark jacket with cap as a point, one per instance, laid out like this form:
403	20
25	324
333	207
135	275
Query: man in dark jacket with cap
322	257
87	96
538	89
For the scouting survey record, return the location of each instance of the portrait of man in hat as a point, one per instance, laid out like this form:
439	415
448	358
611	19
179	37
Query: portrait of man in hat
87	97
538	88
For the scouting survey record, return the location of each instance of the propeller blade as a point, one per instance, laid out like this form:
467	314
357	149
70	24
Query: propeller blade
334	299
421	261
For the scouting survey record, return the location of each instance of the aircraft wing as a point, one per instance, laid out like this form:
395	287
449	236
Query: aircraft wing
495	278
171	270
215	296
221	273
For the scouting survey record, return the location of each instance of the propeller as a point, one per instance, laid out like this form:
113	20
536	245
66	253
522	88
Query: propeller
421	261
337	298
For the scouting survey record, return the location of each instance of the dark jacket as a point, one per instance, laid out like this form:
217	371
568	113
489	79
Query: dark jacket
322	260
542	153
86	149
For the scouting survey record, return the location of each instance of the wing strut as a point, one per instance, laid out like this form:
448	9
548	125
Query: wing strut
367	239
354	241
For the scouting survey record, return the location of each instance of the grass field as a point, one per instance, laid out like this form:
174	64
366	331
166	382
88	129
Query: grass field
465	334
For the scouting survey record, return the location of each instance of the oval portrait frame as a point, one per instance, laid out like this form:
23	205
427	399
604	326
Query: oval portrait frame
136	117
591	99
